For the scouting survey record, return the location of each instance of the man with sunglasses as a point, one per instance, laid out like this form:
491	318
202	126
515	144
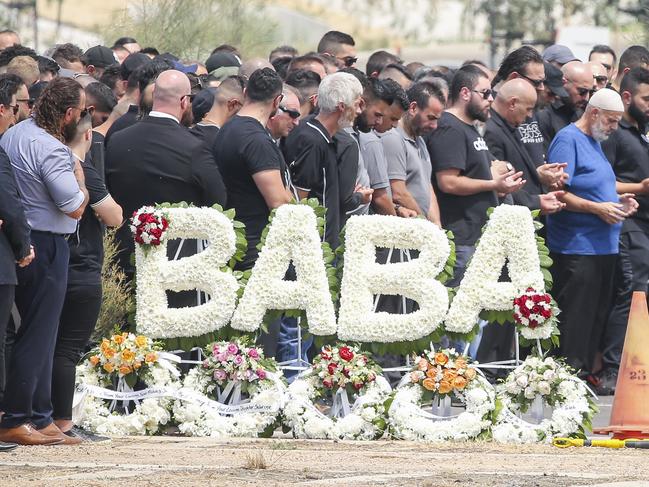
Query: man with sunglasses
9	85
52	188
579	86
600	78
340	47
287	116
605	56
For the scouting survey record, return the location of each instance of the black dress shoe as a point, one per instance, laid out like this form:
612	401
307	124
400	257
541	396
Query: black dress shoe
7	446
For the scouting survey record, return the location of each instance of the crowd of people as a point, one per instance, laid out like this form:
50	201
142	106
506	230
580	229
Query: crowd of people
89	137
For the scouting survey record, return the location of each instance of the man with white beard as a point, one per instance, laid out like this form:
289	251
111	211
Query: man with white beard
583	239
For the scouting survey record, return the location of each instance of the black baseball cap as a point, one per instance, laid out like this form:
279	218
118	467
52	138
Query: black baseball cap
554	80
100	56
132	62
221	59
202	103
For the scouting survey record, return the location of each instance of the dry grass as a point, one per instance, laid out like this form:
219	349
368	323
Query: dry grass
255	461
117	295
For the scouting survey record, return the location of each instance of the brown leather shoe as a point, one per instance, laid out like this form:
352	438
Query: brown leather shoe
53	431
26	434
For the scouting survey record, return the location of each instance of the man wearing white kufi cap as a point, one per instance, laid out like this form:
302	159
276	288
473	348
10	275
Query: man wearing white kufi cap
583	239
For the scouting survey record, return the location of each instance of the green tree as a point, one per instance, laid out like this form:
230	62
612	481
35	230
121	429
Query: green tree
190	29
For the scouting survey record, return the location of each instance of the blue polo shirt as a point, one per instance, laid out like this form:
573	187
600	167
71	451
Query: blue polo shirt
591	178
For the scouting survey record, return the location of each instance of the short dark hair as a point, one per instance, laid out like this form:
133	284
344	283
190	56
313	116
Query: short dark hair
124	40
9	84
376	90
398	67
111	75
422	91
305	59
101	97
603	49
517	61
147	74
47	65
150	50
465	77
633	56
49	109
8	53
397	93
287	51
358	74
332	39
263	85
306	82
67	53
379	60
281	65
631	80
226	48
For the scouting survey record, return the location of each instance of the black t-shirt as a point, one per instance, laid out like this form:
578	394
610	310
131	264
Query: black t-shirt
243	148
96	154
310	154
86	246
530	135
457	145
126	120
206	133
627	149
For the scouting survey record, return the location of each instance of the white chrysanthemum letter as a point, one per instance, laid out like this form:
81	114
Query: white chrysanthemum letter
363	278
292	236
510	237
156	274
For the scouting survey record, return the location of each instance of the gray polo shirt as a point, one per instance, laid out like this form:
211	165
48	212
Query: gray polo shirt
408	161
375	162
44	170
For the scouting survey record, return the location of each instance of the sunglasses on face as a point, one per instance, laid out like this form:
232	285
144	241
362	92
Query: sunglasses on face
15	109
537	83
606	66
486	93
291	113
585	91
190	96
601	79
349	60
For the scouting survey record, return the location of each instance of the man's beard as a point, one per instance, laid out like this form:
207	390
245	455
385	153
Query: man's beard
361	123
70	131
187	118
475	112
638	115
598	133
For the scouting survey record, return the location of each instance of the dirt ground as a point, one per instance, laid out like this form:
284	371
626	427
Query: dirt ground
168	461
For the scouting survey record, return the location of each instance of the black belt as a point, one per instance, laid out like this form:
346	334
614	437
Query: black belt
53	234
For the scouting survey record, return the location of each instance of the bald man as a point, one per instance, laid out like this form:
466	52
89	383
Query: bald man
251	65
157	160
513	105
578	82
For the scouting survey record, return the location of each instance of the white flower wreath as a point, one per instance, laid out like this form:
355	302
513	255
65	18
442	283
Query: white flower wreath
509	236
573	408
408	421
201	416
150	414
365	421
204	271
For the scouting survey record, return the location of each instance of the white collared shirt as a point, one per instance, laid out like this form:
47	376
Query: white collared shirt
163	115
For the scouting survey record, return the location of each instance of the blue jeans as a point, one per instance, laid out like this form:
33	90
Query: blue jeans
287	348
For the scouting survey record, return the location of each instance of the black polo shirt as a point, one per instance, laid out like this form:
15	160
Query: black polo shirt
555	117
627	149
126	120
310	154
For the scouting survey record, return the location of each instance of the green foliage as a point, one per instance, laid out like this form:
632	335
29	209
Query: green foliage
190	29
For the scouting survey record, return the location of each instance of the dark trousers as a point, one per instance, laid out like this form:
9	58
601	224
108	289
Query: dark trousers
6	302
39	298
583	287
631	274
78	320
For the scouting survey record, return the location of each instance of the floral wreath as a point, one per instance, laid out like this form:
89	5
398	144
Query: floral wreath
231	369
573	407
110	372
535	315
439	375
339	370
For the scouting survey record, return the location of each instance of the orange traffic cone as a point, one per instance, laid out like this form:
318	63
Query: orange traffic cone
630	414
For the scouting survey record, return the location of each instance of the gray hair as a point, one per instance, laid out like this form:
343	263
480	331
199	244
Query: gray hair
338	88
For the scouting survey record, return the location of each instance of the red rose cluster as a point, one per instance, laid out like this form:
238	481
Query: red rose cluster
148	226
344	366
532	309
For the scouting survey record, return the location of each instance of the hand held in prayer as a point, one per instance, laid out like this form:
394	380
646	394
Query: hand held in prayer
610	212
552	175
629	203
366	193
404	212
509	182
